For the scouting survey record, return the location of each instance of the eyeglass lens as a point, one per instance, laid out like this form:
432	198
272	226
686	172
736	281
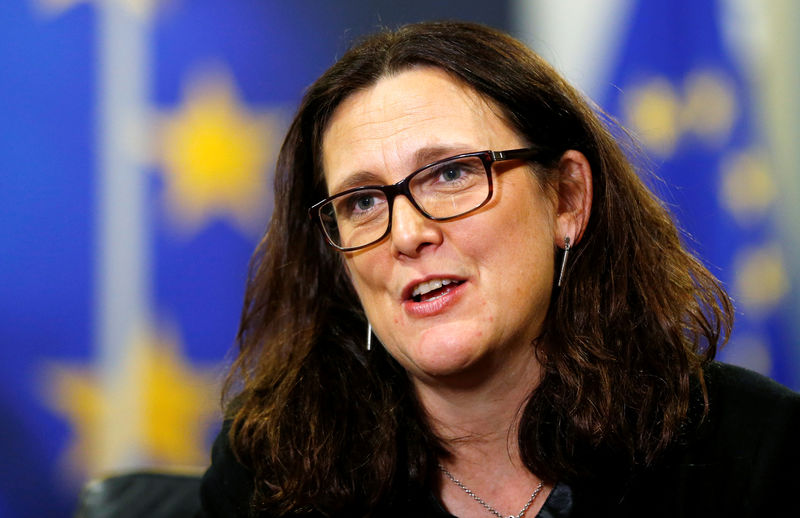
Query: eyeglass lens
443	190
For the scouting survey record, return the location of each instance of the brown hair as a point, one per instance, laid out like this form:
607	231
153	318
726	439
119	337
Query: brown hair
323	424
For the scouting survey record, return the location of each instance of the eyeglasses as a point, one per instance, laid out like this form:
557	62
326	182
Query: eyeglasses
443	190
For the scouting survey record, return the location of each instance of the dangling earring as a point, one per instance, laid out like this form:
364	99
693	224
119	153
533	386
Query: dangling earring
369	336
564	260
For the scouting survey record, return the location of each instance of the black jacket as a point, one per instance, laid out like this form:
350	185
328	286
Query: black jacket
743	460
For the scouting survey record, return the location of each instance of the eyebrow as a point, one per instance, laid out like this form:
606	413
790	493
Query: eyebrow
358	179
422	157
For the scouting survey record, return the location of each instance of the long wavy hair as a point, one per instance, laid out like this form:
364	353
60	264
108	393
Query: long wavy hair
325	425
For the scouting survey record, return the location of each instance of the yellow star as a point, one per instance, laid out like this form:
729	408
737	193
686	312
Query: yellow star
652	111
216	155
761	280
711	107
747	188
160	409
73	392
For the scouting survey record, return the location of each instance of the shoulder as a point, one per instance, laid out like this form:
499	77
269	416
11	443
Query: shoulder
227	485
746	382
743	454
738	459
751	418
746	405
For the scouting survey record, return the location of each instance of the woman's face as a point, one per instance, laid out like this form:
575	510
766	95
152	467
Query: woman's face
499	260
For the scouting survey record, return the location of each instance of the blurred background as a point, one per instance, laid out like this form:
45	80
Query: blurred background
137	140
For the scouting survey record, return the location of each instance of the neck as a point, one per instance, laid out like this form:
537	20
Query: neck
477	413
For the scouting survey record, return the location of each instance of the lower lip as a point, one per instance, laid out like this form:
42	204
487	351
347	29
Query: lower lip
435	306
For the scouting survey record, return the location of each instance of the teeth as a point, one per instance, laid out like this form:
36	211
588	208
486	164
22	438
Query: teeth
425	287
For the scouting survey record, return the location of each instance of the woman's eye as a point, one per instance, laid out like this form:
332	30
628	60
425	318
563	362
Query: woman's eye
364	202
451	174
361	204
455	172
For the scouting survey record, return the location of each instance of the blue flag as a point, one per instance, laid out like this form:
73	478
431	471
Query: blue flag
139	139
680	88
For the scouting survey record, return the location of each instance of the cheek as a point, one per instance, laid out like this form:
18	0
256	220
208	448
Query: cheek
523	253
363	275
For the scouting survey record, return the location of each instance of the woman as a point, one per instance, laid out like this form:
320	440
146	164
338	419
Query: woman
542	341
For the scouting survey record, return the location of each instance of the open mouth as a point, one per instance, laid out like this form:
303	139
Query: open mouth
433	289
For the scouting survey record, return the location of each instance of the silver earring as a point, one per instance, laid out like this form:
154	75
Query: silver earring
564	260
369	336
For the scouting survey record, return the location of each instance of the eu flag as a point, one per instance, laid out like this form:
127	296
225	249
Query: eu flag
138	140
680	86
138	143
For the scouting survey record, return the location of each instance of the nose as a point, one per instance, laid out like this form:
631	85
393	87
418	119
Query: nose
411	231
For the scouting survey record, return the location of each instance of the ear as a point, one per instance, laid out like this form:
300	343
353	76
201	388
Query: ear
574	197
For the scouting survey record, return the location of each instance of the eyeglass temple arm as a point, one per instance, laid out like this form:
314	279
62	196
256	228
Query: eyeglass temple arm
513	154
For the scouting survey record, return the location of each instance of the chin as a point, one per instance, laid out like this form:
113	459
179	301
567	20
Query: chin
446	358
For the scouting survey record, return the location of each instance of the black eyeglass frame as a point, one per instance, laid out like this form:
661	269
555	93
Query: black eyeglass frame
401	188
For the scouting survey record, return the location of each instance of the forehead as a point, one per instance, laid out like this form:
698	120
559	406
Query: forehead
386	129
